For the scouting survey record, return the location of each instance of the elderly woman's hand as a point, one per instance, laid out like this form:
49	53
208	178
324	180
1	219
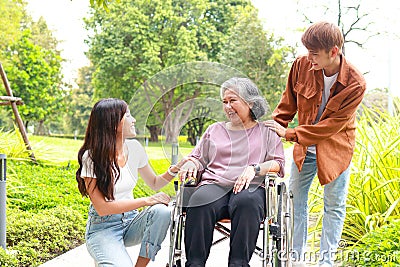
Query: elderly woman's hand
244	179
188	171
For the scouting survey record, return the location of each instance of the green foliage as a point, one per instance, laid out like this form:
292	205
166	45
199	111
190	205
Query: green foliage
380	247
12	14
139	38
12	145
374	196
45	212
46	187
32	64
7	259
101	3
35	76
80	103
258	54
43	36
37	236
374	191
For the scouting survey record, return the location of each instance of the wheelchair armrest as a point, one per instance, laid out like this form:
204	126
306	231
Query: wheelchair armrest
270	178
272	175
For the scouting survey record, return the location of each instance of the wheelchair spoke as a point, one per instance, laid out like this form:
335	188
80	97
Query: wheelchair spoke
285	226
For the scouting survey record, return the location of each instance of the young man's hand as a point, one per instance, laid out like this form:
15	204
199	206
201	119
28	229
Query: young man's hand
276	127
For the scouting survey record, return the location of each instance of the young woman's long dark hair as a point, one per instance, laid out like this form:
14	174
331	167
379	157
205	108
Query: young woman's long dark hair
100	142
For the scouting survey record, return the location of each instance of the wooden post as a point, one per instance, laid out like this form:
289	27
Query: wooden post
16	114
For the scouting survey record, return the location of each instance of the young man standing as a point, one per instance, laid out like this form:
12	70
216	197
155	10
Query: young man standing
325	90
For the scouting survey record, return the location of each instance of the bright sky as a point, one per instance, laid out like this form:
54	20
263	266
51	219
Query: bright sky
64	18
379	59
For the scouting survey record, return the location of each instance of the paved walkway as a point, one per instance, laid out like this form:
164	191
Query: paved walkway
79	257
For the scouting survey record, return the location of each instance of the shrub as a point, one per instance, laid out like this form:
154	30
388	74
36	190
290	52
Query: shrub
374	191
12	145
7	259
44	187
46	214
380	247
35	238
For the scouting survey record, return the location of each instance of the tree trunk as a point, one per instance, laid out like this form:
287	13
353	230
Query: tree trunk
191	135
40	128
154	132
171	131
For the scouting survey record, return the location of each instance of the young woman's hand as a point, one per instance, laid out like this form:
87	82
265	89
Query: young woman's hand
159	198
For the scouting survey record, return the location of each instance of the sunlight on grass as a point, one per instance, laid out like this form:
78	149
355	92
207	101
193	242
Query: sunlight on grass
165	151
57	149
62	149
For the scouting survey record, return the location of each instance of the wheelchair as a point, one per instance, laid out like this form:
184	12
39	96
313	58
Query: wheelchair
276	228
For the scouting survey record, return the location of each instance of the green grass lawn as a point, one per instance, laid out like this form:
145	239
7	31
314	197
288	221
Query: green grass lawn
54	148
62	149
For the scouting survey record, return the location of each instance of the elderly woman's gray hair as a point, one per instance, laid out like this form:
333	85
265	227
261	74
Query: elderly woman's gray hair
249	92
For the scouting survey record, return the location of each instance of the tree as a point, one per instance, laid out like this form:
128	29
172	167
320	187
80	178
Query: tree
259	55
43	36
138	39
35	76
12	14
197	126
101	3
80	102
350	17
32	63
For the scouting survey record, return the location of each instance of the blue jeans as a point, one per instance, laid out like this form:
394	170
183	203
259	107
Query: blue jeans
107	236
335	194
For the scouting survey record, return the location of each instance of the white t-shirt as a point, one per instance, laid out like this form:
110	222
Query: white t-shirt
328	83
137	158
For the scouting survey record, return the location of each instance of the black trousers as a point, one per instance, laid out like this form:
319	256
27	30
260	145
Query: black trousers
246	211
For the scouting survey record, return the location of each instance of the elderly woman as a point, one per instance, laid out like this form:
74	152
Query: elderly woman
233	156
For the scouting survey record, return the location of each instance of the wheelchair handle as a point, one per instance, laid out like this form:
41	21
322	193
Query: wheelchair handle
176	186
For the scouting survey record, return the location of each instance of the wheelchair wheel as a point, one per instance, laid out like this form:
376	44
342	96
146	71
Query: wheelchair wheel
176	230
175	249
284	240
